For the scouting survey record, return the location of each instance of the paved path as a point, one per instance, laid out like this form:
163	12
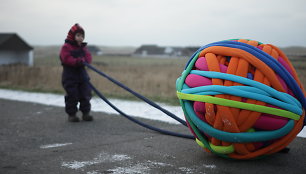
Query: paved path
37	138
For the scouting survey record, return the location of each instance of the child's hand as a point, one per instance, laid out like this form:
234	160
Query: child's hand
80	61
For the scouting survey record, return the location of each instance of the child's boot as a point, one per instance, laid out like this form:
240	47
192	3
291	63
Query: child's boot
87	117
73	118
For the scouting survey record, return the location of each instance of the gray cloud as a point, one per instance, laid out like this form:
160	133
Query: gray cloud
164	22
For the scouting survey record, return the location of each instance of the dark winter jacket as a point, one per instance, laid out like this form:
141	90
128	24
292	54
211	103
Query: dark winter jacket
72	55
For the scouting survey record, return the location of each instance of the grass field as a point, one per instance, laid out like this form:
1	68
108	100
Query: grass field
152	77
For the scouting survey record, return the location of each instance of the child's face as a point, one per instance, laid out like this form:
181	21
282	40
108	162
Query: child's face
79	37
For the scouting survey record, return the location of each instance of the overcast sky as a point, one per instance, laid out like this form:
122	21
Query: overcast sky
162	22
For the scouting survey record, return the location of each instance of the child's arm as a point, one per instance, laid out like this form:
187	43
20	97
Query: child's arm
66	57
88	57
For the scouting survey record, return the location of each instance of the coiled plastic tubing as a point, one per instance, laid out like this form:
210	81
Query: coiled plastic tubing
242	99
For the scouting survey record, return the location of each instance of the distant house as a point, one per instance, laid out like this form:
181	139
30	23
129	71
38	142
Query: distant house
174	51
168	51
150	50
188	51
94	50
13	49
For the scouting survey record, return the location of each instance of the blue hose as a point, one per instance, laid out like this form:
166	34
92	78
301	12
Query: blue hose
141	97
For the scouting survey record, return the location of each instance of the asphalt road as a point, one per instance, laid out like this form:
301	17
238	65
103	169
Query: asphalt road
38	139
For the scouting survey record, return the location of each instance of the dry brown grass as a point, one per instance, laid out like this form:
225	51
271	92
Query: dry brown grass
41	78
153	78
154	82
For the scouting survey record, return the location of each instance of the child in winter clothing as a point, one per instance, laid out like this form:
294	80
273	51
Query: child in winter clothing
72	55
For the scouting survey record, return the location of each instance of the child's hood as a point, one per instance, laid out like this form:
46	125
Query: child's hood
76	28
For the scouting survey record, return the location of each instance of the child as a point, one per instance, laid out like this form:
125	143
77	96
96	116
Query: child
73	53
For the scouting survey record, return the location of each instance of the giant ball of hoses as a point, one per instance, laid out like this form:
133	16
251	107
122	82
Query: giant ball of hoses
242	99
